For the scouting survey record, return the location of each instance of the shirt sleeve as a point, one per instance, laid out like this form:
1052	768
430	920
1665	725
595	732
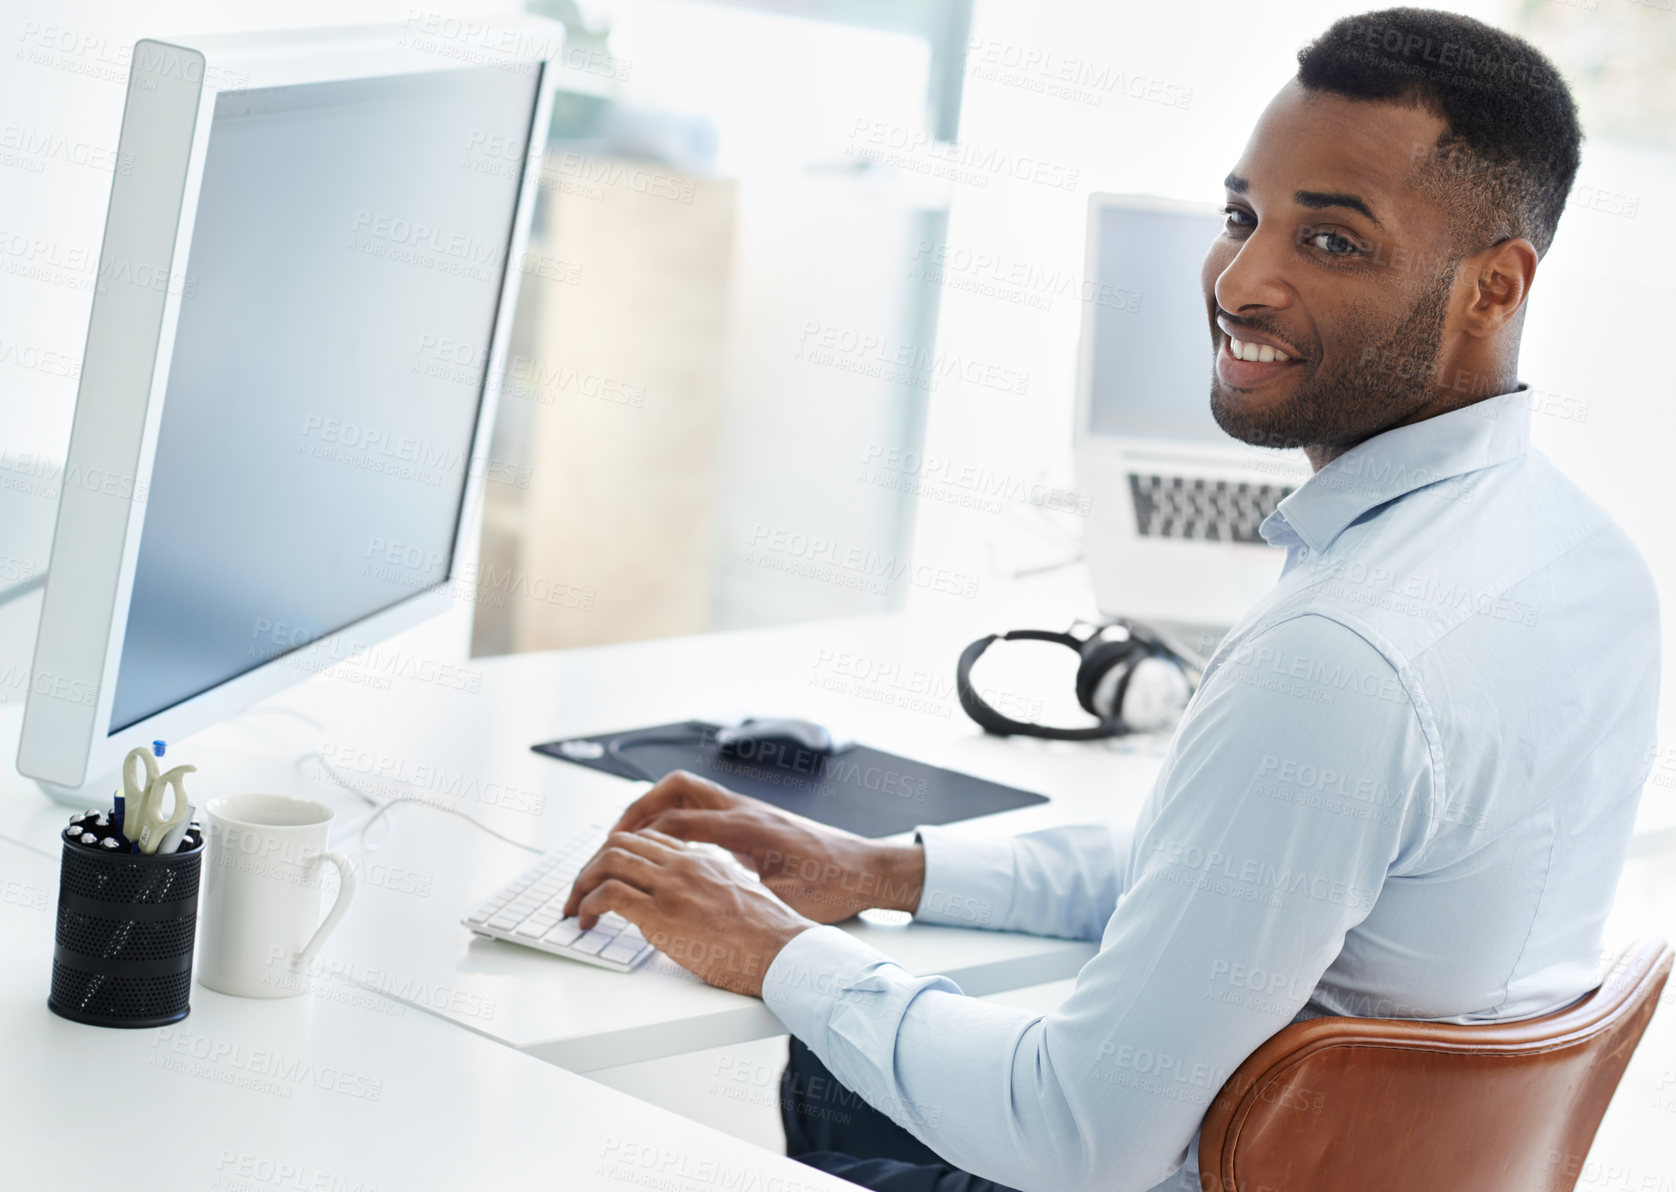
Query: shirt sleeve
1060	882
1245	878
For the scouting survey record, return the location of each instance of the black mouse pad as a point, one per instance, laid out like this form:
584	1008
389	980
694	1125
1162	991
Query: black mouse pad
865	791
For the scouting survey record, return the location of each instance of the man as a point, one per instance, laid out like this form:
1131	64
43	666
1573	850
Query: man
1405	785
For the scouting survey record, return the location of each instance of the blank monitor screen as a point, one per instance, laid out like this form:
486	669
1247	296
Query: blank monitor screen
1151	353
337	304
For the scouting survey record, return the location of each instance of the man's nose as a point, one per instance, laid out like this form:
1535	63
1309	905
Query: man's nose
1256	276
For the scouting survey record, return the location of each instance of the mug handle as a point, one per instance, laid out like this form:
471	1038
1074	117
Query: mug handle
346	891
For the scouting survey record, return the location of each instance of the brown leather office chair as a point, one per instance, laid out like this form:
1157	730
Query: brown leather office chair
1387	1105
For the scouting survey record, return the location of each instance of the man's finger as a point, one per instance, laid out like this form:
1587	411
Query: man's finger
614	861
614	895
662	841
636	842
734	830
648	805
677	789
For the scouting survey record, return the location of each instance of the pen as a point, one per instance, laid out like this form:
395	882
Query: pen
172	838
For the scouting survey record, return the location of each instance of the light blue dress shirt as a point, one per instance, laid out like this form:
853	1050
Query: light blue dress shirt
1404	789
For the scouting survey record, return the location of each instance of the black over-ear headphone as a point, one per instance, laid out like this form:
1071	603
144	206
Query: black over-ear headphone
1129	683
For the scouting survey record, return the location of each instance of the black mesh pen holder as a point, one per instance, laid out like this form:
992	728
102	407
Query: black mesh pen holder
123	954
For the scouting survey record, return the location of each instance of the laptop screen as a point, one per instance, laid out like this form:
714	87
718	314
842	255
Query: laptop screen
1151	355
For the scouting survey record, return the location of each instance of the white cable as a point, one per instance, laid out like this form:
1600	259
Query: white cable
282	710
385	806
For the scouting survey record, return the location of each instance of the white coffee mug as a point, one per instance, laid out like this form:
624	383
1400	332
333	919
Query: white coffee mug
259	912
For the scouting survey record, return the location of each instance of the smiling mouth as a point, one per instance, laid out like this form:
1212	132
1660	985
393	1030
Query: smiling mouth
1254	353
1241	364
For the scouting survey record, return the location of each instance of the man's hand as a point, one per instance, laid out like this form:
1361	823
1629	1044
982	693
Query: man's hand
700	912
821	872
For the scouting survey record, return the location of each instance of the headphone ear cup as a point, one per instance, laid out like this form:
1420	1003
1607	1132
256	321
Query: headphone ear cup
1153	693
1100	675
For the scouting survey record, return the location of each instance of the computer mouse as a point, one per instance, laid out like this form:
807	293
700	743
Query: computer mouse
767	736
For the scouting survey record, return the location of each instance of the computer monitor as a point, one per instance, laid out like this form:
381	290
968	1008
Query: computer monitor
1173	502
277	458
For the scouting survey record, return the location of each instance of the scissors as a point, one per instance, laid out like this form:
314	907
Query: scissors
143	820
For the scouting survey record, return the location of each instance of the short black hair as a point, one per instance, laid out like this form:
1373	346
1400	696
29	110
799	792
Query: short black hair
1509	151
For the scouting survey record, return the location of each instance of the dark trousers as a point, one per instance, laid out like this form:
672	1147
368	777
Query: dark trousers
832	1129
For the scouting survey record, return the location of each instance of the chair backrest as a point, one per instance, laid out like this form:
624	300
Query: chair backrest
1392	1105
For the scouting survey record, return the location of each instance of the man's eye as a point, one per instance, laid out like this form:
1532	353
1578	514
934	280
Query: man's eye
1331	243
1239	217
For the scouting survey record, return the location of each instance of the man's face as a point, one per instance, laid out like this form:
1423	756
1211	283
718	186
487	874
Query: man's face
1334	259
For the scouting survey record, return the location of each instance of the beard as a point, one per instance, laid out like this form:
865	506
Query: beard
1380	383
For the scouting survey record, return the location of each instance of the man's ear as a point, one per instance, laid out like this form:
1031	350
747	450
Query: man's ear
1500	278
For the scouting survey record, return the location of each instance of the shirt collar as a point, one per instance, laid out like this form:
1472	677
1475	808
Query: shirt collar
1397	462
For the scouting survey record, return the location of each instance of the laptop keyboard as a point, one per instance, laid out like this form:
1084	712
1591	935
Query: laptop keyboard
1209	510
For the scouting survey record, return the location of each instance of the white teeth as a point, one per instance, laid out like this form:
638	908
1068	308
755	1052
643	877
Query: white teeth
1257	353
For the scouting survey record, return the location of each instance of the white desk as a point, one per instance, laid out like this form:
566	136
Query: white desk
348	1091
404	938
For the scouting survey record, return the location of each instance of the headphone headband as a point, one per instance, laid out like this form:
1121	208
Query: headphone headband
992	721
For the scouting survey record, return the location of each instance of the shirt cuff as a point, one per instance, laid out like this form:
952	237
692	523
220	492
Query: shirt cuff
802	985
969	880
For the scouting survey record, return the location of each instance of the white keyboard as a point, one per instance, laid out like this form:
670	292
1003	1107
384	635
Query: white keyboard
530	911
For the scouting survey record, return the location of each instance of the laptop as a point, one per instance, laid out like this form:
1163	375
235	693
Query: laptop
1173	502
